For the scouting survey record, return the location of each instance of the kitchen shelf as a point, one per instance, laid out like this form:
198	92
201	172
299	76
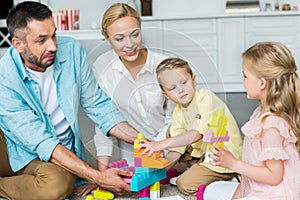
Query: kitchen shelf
83	34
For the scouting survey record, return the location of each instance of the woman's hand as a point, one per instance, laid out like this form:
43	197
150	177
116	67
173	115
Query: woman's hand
85	189
222	157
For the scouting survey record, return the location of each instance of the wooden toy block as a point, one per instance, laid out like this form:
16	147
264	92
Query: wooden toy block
137	154
144	170
145	179
216	132
170	174
155	186
200	192
138	162
145	192
118	164
155	194
103	194
157	163
89	197
136	143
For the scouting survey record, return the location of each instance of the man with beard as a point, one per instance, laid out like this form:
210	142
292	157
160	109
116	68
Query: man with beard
43	80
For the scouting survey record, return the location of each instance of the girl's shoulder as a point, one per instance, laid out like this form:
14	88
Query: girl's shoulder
264	121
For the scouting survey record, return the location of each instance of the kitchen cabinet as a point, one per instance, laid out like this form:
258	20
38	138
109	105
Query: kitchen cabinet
194	40
230	48
283	29
153	34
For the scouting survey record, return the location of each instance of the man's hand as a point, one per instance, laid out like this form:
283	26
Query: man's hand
111	180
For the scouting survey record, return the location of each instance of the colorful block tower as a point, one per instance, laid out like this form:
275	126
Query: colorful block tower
148	172
217	132
154	161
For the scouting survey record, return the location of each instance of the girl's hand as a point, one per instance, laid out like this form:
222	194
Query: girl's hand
149	147
222	157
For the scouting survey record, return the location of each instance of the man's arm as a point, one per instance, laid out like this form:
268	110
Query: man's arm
109	179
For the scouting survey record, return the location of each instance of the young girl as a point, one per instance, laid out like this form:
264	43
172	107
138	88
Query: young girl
270	166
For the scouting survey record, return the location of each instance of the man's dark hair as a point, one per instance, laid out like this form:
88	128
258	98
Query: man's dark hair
20	15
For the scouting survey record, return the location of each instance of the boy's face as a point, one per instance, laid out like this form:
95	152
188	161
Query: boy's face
178	85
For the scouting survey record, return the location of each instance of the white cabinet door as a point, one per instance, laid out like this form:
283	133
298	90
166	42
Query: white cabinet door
195	41
153	34
282	29
230	49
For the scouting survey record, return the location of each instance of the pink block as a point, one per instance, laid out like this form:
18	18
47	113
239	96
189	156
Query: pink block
170	174
144	192
137	162
200	192
118	164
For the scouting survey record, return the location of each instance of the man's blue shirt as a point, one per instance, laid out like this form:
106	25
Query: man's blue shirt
27	128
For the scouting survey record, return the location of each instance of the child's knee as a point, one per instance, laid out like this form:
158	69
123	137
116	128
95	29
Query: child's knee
186	187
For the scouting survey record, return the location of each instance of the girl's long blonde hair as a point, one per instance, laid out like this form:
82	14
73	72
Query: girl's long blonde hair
274	62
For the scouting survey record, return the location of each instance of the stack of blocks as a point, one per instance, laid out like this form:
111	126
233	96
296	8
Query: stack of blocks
148	172
217	132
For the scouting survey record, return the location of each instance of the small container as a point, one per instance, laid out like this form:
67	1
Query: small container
286	7
268	7
146	7
277	6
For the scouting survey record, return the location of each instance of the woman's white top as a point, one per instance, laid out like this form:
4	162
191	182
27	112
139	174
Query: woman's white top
140	100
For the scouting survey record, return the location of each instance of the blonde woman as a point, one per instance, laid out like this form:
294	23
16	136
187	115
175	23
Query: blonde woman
127	75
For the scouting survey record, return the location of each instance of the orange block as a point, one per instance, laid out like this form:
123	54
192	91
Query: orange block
154	163
137	154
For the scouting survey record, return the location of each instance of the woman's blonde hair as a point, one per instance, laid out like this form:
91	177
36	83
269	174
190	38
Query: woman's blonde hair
115	12
274	62
172	63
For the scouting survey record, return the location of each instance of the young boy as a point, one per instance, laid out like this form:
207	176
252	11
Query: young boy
191	119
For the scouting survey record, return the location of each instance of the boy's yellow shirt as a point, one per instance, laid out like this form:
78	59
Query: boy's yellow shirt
197	117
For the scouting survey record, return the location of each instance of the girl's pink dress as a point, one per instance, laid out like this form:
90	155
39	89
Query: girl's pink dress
276	143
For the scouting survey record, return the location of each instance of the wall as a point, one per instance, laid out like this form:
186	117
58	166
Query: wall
92	10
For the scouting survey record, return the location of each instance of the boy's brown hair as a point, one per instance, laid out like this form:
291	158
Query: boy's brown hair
172	63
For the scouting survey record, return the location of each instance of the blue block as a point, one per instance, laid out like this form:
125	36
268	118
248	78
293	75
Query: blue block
145	198
145	179
144	169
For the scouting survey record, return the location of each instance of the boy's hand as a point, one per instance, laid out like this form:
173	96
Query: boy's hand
149	147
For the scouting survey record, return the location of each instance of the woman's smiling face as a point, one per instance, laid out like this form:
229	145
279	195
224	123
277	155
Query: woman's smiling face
125	38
